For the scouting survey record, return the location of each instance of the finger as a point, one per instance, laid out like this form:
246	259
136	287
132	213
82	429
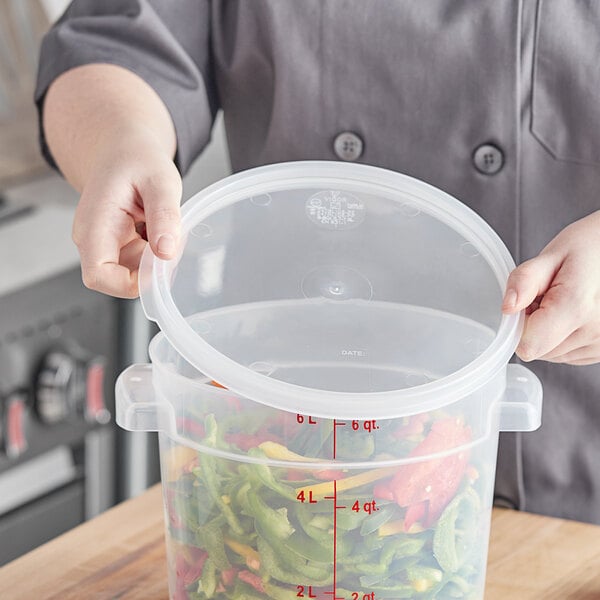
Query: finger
529	281
131	254
551	324
112	279
584	355
580	338
583	363
161	197
100	229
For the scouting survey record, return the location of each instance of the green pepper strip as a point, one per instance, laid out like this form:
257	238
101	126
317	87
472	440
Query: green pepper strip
276	522
322	532
396	567
450	545
287	557
208	474
374	521
208	581
271	565
243	591
211	538
279	593
261	473
416	572
400	547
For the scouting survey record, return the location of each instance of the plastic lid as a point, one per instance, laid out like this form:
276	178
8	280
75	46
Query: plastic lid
335	289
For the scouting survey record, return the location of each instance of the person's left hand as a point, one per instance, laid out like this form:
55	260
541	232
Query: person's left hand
560	290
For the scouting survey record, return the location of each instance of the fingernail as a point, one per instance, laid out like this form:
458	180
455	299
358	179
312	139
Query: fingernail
510	299
166	244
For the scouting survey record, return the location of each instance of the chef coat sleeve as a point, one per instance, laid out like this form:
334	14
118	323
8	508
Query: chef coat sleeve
165	42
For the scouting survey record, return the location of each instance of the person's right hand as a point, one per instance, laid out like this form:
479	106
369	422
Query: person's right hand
130	199
114	140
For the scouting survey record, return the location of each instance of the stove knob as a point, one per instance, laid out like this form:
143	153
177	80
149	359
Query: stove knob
15	424
95	410
59	385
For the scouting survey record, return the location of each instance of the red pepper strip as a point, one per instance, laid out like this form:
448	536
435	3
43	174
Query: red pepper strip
415	426
180	591
288	423
382	491
174	517
194	571
414	513
232	401
447	481
245	441
180	566
326	474
190	426
188	572
228	577
216	384
252	579
435	480
296	475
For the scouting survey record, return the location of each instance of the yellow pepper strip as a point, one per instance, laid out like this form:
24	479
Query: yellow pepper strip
177	458
391	528
394	527
472	473
422	585
280	452
250	554
326	488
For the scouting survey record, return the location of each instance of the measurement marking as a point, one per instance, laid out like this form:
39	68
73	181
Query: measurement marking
333	593
334	537
334	437
329	497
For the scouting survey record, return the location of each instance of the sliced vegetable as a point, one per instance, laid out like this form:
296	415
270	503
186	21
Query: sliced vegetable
456	531
243	531
280	452
249	554
434	481
324	489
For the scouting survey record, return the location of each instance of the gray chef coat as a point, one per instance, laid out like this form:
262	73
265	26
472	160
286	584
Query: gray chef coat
423	85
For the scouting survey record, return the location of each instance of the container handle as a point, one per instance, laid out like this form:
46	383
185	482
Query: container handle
137	408
521	407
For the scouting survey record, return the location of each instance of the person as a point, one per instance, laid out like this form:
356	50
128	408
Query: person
493	102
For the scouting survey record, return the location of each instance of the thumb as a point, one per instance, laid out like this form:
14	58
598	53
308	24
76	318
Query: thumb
528	281
161	197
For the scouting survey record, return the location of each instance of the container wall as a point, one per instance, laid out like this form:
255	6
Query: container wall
191	398
256	531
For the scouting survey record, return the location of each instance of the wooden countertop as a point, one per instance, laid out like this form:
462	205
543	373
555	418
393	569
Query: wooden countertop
121	554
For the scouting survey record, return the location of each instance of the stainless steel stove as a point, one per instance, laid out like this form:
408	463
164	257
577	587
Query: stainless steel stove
58	361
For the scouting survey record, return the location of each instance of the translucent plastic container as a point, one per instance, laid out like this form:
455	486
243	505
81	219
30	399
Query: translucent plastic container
351	317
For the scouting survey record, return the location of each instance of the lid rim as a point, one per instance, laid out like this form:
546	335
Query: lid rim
255	386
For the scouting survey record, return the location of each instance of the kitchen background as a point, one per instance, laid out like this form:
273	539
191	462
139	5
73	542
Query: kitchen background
62	459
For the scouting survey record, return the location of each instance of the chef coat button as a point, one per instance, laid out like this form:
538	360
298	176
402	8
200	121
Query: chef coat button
348	145
488	159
